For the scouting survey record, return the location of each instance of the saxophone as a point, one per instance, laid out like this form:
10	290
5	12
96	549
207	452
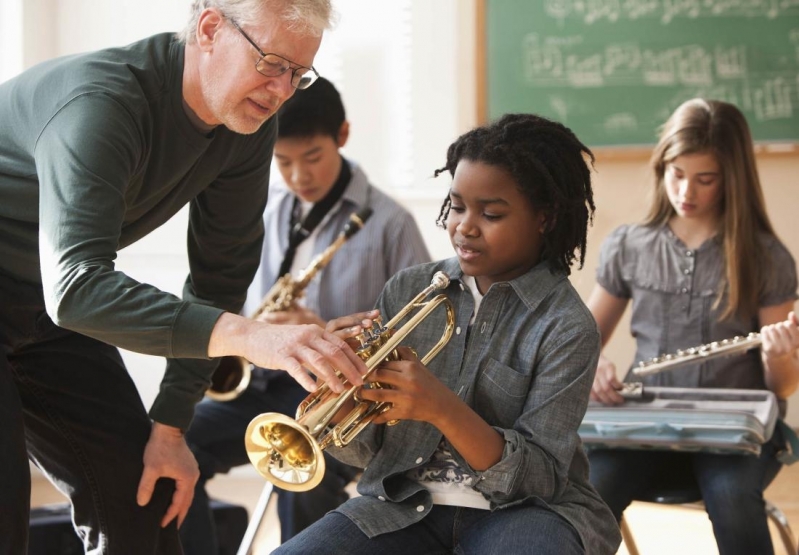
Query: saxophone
233	374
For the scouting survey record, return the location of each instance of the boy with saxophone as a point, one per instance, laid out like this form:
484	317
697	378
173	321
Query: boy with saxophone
320	191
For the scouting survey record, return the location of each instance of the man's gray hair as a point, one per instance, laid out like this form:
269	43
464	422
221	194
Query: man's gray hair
311	17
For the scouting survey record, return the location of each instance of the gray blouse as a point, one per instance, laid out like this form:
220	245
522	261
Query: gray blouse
674	290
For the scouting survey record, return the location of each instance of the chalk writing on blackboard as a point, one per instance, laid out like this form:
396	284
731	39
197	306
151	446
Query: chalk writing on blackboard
614	70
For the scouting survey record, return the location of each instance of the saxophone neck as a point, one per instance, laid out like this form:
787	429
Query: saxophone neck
279	297
286	290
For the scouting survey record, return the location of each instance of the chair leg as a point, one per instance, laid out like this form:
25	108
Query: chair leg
627	536
778	518
255	520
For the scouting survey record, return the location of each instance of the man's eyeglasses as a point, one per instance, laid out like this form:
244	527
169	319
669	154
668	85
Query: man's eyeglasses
272	65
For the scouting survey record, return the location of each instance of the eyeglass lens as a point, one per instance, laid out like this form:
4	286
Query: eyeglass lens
273	65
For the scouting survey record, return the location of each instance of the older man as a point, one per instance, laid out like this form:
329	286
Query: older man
96	151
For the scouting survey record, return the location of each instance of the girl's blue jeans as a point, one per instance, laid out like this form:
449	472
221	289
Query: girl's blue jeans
731	487
446	530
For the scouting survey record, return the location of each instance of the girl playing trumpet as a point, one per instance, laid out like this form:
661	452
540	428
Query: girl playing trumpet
486	457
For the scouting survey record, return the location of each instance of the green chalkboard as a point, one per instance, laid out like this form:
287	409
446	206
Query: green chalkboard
613	70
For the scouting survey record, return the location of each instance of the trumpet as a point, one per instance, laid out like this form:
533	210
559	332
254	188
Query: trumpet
738	344
288	452
233	374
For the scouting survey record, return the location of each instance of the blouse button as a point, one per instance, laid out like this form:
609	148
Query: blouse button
458	330
684	290
420	508
419	460
689	253
687	271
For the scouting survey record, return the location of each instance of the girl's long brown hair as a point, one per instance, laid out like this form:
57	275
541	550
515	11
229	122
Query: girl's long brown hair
719	128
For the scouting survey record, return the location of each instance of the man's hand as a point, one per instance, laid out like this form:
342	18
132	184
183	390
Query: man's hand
166	455
295	349
296	316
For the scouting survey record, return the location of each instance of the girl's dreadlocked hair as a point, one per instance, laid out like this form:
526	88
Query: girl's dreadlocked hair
549	165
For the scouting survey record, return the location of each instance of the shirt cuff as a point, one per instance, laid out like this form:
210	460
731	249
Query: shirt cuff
192	330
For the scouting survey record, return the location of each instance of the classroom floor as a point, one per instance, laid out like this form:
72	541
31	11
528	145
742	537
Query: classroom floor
658	529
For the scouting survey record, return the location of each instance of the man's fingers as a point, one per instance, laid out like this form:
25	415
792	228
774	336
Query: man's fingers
146	486
343	358
183	498
170	514
301	376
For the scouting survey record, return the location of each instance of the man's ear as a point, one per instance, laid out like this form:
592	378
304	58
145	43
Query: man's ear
208	25
343	134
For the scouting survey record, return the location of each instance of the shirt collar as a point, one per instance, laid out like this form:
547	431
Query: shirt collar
357	192
531	287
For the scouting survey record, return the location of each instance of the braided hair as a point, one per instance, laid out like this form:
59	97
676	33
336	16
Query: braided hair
548	163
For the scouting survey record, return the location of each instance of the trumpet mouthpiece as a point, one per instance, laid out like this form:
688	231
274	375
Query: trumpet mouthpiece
440	280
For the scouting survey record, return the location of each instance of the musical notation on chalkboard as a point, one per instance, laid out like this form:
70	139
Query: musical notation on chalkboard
613	70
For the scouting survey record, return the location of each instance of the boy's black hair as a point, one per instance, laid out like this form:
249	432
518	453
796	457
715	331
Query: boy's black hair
548	163
317	110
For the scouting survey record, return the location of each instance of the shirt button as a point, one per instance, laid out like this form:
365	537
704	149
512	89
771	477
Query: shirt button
381	498
420	508
458	330
687	271
689	253
684	290
419	460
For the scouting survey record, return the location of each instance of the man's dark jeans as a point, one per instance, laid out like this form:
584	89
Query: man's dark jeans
68	404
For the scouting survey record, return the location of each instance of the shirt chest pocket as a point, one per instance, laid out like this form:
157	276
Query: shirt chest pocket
500	393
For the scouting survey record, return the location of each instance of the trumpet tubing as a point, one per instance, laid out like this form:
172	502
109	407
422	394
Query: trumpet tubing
288	452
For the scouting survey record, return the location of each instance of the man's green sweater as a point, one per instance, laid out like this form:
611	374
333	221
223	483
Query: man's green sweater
96	151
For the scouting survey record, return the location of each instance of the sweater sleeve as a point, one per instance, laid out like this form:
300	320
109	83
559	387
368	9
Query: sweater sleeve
85	157
225	236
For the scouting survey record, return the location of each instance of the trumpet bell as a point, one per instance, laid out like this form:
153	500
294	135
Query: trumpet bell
284	451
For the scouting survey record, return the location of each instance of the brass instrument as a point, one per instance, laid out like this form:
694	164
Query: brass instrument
288	452
737	344
232	376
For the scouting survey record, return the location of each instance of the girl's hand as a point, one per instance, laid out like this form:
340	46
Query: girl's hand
606	385
414	394
780	340
350	327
